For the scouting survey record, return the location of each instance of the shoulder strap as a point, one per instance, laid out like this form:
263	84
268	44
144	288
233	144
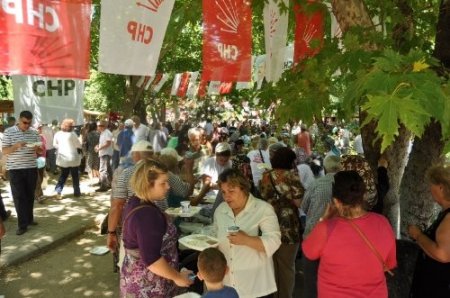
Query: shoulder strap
273	184
371	246
262	157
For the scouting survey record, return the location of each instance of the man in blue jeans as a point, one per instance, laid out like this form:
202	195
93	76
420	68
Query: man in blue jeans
21	144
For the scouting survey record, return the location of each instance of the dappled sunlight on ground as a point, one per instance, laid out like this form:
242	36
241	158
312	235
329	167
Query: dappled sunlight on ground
67	271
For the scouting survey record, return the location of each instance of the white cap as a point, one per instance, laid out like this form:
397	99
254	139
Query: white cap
142	146
222	147
129	122
171	152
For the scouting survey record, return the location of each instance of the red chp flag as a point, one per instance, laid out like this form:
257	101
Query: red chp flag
227	40
45	37
309	31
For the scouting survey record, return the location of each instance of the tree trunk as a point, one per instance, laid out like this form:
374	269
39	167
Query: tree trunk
417	205
397	155
354	13
133	96
141	110
350	13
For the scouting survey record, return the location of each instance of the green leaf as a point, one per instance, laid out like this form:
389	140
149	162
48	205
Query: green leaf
390	110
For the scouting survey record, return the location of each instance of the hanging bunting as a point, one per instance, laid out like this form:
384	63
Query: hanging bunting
46	38
244	85
131	35
184	84
275	33
193	86
227	40
309	30
176	84
159	82
214	88
202	88
145	82
225	87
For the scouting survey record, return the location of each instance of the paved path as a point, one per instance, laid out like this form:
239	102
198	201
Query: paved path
58	221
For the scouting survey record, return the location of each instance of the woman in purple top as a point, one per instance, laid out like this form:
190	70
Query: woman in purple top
150	266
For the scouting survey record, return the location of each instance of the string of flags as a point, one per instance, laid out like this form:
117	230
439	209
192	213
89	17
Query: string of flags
131	36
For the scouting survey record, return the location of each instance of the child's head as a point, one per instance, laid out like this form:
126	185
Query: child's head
212	265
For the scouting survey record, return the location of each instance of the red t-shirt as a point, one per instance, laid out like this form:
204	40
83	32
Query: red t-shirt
304	141
348	267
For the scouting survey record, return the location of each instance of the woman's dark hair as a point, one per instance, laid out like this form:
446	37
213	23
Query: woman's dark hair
283	158
237	143
92	126
235	178
349	188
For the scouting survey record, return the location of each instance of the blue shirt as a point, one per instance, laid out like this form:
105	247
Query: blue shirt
125	141
225	292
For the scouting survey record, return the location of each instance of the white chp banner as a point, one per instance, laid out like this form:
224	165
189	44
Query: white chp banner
275	33
131	35
49	98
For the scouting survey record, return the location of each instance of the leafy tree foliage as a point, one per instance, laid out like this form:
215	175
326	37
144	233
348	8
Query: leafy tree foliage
391	81
5	88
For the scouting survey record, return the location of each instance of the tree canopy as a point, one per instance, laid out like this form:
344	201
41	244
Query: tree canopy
389	71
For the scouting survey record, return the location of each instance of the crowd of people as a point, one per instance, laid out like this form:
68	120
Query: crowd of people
276	196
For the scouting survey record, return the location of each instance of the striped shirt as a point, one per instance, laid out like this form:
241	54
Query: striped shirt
316	199
123	189
25	157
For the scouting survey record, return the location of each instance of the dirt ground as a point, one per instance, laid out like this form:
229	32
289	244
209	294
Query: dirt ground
68	270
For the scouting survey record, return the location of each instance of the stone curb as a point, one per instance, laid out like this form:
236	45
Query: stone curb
31	250
59	221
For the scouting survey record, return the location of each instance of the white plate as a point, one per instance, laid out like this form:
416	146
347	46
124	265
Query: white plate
210	199
99	250
264	166
34	144
193	210
198	242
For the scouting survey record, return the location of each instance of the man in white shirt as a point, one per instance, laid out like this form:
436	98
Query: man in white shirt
259	160
211	169
209	128
50	154
105	152
141	131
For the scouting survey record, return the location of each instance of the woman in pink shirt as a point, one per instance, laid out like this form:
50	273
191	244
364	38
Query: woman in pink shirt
355	247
